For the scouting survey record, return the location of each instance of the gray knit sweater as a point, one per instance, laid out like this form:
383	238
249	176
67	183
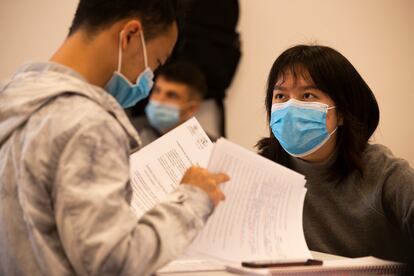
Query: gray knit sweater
360	216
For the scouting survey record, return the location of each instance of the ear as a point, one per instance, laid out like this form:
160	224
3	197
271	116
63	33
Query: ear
131	28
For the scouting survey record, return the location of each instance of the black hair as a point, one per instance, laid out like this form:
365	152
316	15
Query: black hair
95	15
335	76
186	73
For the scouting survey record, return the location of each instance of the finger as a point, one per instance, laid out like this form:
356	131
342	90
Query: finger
221	177
191	172
221	195
217	196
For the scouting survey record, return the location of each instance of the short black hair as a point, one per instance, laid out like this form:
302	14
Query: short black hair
186	73
334	75
95	15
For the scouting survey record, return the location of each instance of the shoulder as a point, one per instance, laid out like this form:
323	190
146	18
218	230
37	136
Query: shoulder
394	178
140	123
146	132
378	157
385	179
386	170
69	115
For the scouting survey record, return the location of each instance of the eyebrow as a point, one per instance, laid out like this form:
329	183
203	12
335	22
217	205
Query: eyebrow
304	87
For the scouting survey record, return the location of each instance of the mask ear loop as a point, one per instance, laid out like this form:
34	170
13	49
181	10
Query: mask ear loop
333	131
120	52
144	49
329	108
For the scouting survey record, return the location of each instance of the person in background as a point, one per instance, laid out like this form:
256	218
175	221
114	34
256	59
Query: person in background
65	142
321	113
176	96
209	39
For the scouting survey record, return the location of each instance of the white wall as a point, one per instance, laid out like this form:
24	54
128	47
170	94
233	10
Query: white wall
377	36
32	30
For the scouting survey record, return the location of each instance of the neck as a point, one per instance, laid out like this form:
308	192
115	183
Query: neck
87	56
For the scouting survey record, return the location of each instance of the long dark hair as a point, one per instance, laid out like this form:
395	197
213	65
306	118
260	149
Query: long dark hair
333	74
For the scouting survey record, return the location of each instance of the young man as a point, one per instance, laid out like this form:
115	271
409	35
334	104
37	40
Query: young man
64	152
176	97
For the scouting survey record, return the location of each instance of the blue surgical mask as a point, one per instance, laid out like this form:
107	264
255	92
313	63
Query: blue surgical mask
126	93
161	116
300	127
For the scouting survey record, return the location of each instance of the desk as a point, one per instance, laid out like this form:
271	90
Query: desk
315	255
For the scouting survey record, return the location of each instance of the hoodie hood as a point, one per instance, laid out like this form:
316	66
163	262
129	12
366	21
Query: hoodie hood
35	84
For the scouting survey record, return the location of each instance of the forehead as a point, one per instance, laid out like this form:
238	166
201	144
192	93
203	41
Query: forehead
165	84
294	76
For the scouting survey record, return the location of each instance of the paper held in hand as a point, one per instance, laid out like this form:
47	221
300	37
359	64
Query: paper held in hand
156	169
260	219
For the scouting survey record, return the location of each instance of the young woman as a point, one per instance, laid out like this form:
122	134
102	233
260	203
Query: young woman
321	113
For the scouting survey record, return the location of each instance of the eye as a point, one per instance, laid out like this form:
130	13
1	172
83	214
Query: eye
172	96
308	96
279	97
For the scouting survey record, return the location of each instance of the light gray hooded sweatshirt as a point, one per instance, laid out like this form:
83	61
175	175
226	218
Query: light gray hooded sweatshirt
64	184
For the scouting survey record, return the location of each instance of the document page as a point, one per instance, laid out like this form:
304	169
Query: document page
189	264
261	217
157	169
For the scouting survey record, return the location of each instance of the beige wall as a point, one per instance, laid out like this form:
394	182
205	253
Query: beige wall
377	36
31	30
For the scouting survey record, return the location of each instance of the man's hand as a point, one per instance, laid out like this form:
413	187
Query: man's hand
208	182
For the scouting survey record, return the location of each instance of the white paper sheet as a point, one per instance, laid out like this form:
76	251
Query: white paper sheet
189	264
157	169
261	218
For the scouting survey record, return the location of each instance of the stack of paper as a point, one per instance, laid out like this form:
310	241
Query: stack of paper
261	217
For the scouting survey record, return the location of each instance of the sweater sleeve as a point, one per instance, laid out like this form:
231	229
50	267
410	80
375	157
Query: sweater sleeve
99	232
398	192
